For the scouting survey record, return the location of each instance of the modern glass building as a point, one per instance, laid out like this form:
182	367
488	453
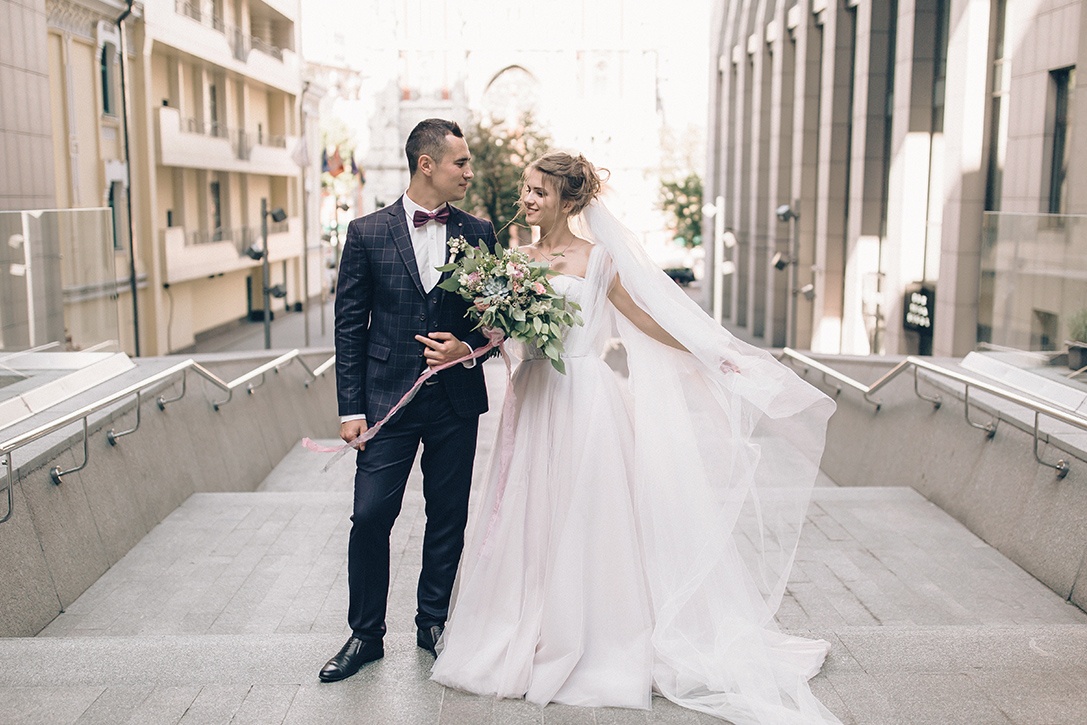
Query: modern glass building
898	176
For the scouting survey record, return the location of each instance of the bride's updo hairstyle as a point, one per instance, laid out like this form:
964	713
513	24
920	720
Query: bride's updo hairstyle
573	178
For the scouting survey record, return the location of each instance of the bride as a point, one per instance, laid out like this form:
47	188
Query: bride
645	531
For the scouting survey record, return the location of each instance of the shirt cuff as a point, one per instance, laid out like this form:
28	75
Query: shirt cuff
360	416
469	363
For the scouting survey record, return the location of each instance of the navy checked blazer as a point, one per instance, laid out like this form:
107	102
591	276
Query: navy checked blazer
381	307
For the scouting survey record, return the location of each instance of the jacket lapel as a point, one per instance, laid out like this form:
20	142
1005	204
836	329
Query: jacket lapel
398	231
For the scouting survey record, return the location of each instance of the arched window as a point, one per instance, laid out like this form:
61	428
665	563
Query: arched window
107	62
512	92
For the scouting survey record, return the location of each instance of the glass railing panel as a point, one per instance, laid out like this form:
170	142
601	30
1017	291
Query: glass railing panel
58	281
1033	279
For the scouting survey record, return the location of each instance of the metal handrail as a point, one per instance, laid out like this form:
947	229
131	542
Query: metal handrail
915	363
82	414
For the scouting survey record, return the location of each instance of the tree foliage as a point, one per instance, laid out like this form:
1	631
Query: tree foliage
500	153
682	201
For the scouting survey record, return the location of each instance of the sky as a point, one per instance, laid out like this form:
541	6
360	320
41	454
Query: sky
602	65
366	33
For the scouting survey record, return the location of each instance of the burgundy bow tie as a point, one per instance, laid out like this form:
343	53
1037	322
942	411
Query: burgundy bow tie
421	217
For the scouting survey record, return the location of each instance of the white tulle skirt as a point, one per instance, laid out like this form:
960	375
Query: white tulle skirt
558	609
648	525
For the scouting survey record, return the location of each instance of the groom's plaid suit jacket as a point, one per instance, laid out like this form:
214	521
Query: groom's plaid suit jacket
381	307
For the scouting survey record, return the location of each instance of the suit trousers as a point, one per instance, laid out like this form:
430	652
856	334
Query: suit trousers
381	475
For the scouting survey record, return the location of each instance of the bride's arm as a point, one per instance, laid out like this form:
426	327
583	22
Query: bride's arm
639	317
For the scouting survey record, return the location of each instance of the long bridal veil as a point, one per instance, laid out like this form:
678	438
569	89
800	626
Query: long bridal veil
724	466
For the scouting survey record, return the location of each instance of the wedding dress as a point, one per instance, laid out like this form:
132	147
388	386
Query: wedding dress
646	526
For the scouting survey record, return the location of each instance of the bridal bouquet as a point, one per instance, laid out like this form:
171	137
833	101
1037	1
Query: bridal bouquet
511	293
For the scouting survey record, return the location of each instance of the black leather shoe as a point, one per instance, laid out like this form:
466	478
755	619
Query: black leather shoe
427	638
350	658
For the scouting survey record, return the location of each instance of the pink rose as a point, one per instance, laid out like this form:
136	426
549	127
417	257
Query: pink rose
540	289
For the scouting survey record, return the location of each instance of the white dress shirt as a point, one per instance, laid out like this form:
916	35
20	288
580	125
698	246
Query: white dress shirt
428	242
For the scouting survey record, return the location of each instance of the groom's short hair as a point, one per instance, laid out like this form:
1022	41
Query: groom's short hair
428	137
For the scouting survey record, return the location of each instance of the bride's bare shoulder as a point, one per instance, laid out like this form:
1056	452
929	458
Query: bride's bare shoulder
576	257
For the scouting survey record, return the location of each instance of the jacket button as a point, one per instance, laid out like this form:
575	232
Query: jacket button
422	318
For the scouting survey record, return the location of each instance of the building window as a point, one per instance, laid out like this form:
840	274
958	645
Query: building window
118	214
107	59
213	111
1062	84
216	212
998	110
1043	331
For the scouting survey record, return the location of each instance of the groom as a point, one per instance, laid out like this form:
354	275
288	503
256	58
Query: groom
392	321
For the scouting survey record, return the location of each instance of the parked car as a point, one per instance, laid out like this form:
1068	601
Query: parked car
682	276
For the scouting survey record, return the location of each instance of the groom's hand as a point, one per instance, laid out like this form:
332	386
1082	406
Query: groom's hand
442	348
352	429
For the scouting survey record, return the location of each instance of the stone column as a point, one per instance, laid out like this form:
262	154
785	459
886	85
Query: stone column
832	201
807	92
779	182
757	186
740	217
963	193
864	306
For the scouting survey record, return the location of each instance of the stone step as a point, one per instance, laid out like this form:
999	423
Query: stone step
177	660
960	674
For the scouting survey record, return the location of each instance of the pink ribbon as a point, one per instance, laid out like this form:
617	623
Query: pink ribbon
494	339
505	452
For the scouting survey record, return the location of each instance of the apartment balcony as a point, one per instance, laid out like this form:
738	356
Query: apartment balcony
196	254
195	144
286	8
195	28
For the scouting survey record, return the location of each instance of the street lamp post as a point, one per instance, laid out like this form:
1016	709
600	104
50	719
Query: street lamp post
277	215
305	217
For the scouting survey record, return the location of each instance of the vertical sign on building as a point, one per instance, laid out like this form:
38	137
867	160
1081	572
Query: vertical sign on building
918	309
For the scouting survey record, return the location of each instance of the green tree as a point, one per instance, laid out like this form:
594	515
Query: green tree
500	153
682	201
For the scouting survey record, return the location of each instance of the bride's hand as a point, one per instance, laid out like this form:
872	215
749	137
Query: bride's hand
727	366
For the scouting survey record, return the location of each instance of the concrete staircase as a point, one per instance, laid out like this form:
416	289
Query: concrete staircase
225	611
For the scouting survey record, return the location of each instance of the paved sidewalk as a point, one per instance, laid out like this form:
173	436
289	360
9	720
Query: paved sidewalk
225	612
288	331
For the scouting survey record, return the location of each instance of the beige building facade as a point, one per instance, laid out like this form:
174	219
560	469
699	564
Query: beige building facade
898	176
221	88
214	99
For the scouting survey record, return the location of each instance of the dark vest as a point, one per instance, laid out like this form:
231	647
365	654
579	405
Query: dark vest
433	316
434	308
